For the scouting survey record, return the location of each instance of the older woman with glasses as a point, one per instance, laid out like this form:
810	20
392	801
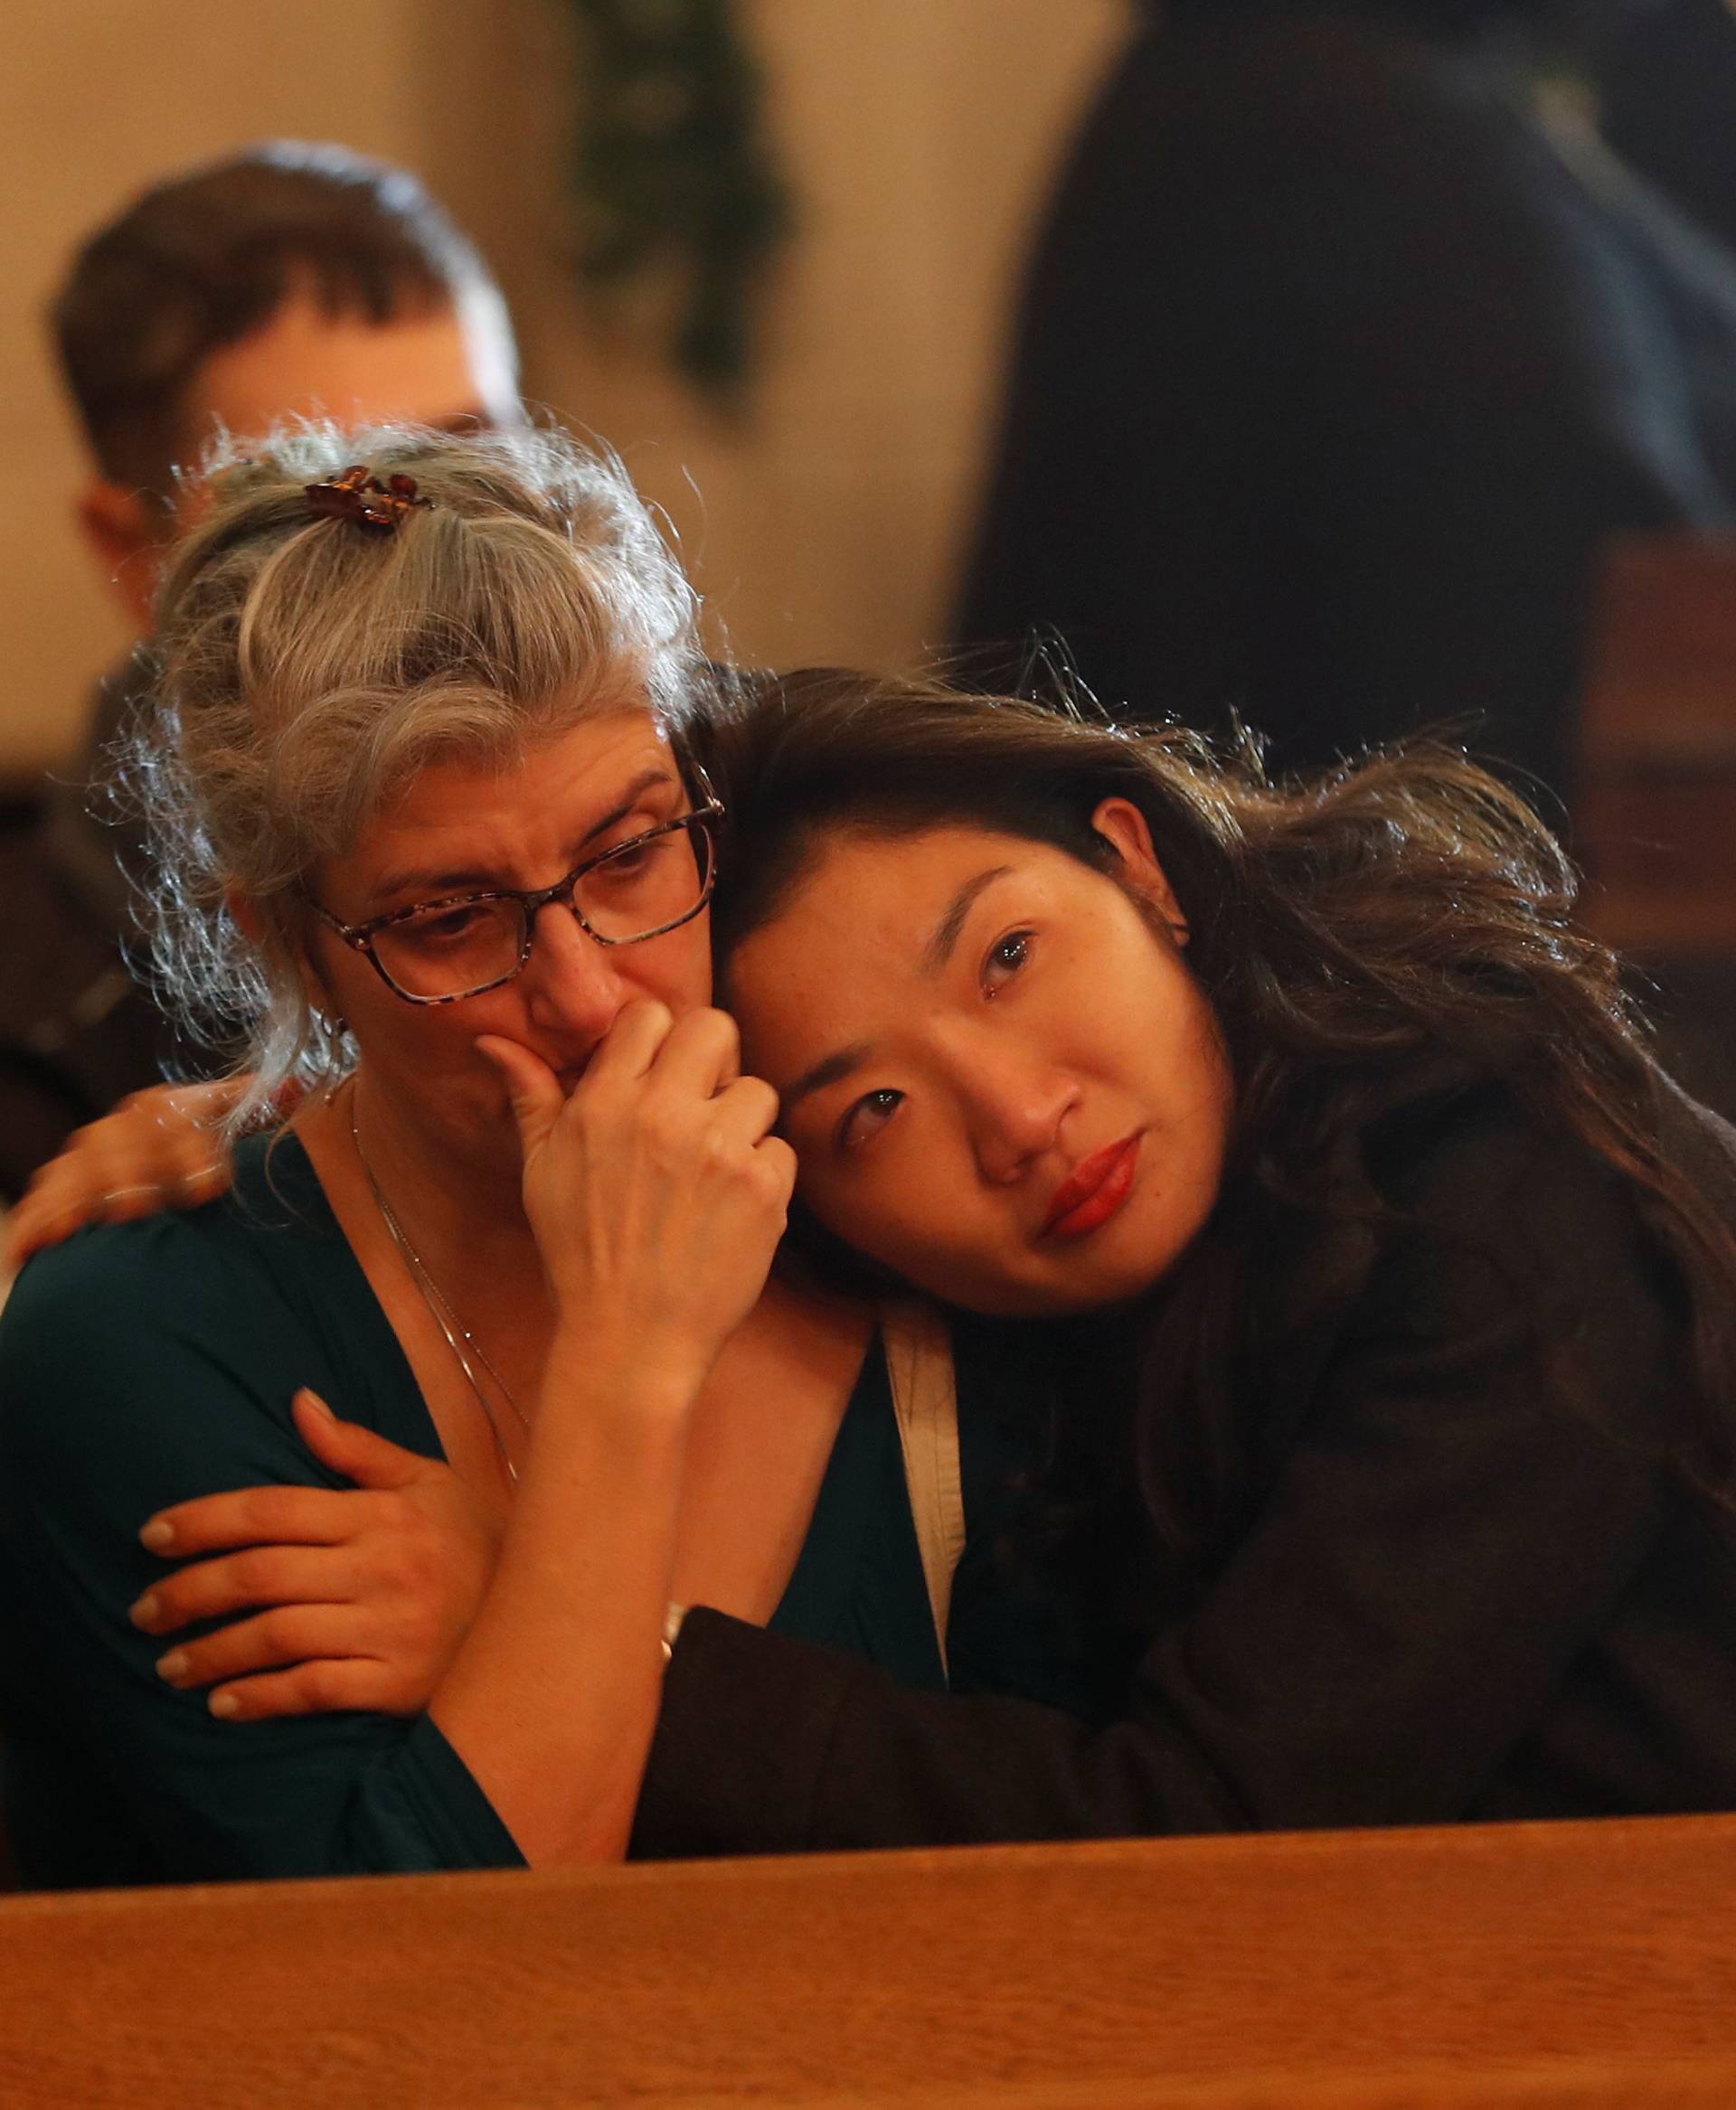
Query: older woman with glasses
422	817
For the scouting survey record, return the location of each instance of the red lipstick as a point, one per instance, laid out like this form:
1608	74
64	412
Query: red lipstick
1093	1191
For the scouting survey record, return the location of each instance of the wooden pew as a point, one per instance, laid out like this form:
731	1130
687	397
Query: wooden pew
1564	1965
1655	804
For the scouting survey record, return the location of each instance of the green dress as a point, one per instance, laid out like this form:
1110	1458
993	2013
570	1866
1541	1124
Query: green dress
147	1362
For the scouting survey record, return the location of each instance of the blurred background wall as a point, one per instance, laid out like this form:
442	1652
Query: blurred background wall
917	137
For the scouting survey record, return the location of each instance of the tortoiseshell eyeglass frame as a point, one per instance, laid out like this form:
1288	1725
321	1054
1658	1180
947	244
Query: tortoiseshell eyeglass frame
700	824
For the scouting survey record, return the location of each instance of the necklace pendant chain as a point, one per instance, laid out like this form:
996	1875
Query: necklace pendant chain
458	1337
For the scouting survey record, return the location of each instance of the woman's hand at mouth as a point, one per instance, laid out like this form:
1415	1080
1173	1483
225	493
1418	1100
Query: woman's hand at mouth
656	1189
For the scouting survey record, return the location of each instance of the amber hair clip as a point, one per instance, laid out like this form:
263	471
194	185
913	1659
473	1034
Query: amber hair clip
359	496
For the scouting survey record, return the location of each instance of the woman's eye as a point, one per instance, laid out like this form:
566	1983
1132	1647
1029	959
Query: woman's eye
867	1117
633	861
449	927
1006	957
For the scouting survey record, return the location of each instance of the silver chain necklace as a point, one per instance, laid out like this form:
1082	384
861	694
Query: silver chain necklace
458	1337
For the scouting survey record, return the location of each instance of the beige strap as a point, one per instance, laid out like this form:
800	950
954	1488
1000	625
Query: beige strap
918	1360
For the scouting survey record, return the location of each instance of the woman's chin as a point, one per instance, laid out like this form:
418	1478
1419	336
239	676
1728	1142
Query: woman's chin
1045	1296
1097	1275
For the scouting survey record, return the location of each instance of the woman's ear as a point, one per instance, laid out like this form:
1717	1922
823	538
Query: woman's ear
128	534
1127	832
252	926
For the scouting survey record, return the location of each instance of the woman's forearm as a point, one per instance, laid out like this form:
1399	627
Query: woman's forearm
656	1193
552	1697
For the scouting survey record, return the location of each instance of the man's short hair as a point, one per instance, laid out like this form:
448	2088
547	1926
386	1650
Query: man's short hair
207	257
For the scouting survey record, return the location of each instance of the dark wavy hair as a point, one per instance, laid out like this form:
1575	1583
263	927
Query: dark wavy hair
1405	917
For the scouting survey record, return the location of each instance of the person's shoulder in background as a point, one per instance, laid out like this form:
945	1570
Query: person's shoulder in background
1667	91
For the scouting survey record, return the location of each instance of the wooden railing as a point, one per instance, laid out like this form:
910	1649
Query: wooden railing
1525	1964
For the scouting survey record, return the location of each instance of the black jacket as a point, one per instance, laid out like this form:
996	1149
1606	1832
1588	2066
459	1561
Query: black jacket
1468	1591
1334	370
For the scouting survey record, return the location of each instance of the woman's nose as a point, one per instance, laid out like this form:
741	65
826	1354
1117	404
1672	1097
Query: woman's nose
573	985
1016	1115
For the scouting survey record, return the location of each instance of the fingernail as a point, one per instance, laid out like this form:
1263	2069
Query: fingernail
157	1535
173	1666
224	1705
311	1399
144	1612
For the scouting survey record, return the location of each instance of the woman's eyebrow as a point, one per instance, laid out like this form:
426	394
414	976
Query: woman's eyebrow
830	1069
476	878
646	780
940	948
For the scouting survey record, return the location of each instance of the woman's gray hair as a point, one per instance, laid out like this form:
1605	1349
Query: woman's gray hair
307	666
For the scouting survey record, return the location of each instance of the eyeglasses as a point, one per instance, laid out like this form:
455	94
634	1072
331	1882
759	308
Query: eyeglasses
440	952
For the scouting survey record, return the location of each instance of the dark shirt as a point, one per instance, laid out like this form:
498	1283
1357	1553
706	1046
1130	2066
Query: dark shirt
145	1364
1334	370
78	1029
1469	1591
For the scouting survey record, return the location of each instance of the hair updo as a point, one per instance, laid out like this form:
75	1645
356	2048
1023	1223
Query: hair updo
307	667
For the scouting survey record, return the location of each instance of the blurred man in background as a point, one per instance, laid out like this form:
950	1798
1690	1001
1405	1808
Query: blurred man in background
1338	361
287	279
